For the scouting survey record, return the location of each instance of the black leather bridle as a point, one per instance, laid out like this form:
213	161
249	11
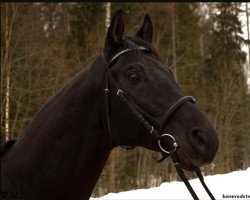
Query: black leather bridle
147	123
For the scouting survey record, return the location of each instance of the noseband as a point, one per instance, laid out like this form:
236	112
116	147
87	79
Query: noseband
147	120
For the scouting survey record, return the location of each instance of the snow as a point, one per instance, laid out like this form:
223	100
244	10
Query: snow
236	184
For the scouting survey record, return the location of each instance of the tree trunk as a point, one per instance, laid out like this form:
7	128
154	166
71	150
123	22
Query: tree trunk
108	11
8	12
201	47
112	174
6	67
248	38
173	41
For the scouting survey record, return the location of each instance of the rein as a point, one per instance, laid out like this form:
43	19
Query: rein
141	115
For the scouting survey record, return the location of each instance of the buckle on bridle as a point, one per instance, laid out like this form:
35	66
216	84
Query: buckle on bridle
174	144
119	92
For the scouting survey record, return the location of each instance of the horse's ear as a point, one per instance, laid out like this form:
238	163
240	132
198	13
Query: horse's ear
146	31
115	32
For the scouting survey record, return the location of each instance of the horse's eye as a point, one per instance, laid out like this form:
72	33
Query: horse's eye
133	77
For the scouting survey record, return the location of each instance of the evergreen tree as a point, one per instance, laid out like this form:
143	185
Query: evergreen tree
227	37
187	42
87	29
226	86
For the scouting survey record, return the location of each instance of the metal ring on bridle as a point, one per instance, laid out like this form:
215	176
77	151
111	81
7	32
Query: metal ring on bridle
175	145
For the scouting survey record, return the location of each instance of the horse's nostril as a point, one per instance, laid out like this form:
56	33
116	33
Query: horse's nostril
198	140
199	137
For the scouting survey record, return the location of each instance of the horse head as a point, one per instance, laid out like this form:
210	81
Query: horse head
139	84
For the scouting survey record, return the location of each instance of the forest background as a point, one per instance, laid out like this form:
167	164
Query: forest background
43	45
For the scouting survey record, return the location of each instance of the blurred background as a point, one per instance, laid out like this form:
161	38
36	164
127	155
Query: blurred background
206	45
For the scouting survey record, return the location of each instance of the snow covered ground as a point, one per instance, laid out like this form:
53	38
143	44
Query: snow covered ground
234	185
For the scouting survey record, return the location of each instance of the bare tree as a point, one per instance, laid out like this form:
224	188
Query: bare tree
173	40
108	12
248	37
7	18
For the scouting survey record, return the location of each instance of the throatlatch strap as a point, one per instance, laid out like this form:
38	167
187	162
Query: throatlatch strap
107	109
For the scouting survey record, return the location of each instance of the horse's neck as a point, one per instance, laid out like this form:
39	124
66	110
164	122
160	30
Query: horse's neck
64	151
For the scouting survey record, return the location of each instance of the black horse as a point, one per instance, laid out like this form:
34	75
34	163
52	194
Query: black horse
63	151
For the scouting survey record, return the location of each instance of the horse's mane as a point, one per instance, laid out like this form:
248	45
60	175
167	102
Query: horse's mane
6	146
130	42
